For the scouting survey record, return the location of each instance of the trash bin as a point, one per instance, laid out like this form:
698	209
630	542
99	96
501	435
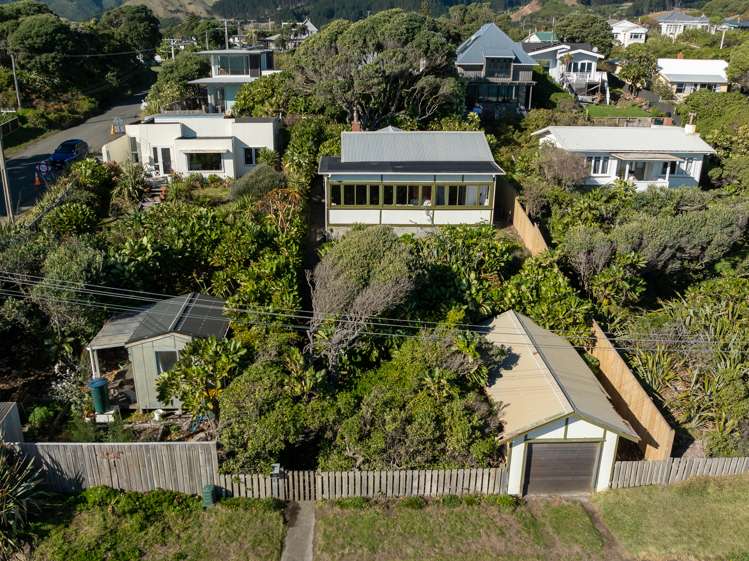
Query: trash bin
100	394
209	495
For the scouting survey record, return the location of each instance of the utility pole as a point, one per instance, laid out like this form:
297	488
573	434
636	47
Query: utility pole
15	81
722	38
226	33
171	44
6	187
207	47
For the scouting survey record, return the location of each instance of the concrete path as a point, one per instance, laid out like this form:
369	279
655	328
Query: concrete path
95	131
300	533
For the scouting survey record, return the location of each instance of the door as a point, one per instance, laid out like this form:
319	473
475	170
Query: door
560	467
166	161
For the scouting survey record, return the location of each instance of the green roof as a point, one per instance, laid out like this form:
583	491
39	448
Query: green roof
546	36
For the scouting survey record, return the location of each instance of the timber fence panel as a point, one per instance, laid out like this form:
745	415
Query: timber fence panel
529	233
674	470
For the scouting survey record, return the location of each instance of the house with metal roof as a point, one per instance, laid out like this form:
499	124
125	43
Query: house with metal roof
559	425
627	33
675	23
197	142
542	37
498	70
153	338
574	66
230	70
409	180
684	76
664	156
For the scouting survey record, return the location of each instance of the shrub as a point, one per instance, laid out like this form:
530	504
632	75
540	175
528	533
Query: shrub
352	503
69	219
19	497
269	158
99	496
566	169
451	501
155	504
504	502
257	183
415	503
40	417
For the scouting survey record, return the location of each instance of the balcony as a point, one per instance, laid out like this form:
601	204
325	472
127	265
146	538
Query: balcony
595	77
522	76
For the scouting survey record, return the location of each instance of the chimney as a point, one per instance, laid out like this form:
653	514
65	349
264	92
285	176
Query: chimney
690	127
680	55
355	124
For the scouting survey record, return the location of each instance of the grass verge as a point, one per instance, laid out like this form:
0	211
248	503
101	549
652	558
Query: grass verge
598	111
702	519
455	529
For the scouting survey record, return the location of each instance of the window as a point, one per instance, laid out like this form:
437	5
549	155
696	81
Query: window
348	195
680	87
599	165
688	166
374	195
413	195
669	167
401	194
477	195
387	195
441	195
498	67
452	195
335	195
250	156
165	360
360	195
134	154
426	195
204	161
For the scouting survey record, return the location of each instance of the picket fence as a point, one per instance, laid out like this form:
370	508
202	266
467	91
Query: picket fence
674	470
312	486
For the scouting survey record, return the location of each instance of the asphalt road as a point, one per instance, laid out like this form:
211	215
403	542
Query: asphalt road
96	132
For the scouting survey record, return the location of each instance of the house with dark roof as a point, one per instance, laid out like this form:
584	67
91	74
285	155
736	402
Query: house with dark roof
559	424
498	70
675	23
574	66
409	180
153	338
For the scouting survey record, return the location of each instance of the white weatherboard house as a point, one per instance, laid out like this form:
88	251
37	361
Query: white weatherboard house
573	66
204	143
674	24
685	76
627	33
560	427
658	155
409	180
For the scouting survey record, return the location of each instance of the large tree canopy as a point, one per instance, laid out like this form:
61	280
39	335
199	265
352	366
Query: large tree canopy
135	26
389	64
583	27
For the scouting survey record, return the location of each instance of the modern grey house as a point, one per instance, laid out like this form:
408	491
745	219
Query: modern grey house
675	23
409	180
499	71
153	339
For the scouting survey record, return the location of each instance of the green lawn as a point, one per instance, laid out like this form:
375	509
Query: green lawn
702	519
598	111
456	531
159	526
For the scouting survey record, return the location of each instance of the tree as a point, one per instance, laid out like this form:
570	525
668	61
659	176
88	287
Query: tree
40	43
391	63
204	369
135	26
172	84
738	65
638	66
563	168
586	27
363	275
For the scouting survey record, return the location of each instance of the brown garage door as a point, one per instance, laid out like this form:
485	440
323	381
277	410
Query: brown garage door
560	467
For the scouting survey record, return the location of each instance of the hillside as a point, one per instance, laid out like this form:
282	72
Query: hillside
176	9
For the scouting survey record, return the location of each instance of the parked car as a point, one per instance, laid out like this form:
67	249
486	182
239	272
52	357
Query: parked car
68	152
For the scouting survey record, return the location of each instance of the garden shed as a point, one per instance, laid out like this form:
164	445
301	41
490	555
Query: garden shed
153	338
560	427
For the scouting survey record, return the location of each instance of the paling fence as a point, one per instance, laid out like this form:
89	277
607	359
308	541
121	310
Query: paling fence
674	470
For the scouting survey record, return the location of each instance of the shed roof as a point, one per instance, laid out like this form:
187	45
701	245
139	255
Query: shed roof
490	41
544	378
415	146
658	139
693	70
195	315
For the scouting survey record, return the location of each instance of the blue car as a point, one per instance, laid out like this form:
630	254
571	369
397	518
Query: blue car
68	152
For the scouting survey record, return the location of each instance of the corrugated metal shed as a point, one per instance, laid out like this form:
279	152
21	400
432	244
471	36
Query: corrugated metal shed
545	379
490	41
626	139
419	146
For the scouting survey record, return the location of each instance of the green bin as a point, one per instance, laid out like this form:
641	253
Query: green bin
100	394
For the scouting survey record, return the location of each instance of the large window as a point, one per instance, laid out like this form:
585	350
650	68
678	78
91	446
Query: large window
498	67
409	195
599	165
229	65
165	360
204	161
250	156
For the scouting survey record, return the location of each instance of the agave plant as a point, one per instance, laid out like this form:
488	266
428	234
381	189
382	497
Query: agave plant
20	493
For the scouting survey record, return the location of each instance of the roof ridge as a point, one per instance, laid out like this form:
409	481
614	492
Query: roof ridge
190	300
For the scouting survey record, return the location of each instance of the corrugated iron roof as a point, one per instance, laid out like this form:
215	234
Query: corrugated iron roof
544	378
626	139
417	146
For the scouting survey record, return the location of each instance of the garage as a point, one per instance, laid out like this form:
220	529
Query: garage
559	426
560	468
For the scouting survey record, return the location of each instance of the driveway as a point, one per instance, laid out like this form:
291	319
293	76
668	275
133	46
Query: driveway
96	132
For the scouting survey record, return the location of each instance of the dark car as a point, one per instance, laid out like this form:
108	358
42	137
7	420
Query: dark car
68	152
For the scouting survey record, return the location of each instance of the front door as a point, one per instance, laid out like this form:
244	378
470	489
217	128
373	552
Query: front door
162	160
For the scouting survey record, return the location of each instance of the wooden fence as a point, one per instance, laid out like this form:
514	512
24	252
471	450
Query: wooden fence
311	485
631	400
673	470
177	466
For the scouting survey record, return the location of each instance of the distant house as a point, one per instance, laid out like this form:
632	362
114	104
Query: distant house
665	156
675	23
230	69
203	143
558	422
541	37
153	339
685	76
409	180
574	66
498	70
627	33
299	32
735	22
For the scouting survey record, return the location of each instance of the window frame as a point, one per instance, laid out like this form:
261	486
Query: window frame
213	170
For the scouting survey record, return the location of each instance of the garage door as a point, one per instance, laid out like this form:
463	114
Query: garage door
560	467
